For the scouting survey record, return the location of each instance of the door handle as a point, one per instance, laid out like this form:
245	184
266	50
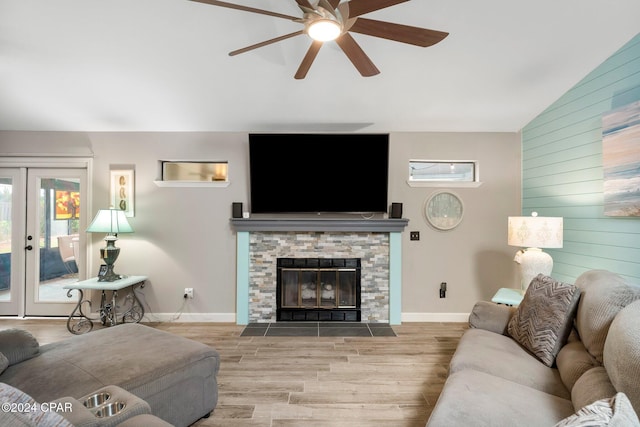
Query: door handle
29	247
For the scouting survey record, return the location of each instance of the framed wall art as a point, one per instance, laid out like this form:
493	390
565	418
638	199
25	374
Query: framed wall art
621	161
121	192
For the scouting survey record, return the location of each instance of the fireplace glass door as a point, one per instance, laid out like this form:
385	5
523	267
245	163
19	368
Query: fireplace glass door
324	288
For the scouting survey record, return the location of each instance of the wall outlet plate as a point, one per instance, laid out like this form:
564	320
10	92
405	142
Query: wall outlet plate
188	292
414	235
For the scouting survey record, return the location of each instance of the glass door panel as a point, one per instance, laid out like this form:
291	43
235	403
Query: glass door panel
347	288
54	224
328	288
11	245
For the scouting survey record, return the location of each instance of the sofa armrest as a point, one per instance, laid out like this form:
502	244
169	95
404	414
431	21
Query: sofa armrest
491	317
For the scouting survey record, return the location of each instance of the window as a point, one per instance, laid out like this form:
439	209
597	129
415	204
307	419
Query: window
186	173
443	172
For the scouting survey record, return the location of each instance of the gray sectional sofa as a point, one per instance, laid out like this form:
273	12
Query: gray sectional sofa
589	368
174	377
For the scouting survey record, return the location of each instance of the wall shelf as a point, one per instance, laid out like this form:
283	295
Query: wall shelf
192	184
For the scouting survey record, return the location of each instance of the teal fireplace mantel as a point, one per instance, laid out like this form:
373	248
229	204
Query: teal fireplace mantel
245	226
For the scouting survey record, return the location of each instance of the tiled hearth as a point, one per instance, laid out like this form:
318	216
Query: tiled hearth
261	242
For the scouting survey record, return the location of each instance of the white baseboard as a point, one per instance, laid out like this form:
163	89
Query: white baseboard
190	317
435	317
231	317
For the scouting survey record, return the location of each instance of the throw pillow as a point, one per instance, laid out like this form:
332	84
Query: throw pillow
613	412
18	345
543	320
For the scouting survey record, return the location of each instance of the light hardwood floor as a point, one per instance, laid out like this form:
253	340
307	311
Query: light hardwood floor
314	381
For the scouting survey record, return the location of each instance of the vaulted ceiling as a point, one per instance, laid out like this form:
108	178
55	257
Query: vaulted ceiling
163	65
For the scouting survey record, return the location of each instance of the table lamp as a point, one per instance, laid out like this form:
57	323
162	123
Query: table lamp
534	233
112	222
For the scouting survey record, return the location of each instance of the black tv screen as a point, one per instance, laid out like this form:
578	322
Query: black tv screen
317	173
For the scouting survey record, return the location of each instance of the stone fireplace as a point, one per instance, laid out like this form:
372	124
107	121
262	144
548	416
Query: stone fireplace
376	243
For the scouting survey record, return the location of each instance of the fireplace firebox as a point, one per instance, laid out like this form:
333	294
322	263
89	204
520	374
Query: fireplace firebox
318	289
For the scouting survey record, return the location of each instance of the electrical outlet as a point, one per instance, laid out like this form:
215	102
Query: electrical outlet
188	292
443	290
414	235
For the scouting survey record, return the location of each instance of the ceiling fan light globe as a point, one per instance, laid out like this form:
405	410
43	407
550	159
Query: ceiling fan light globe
324	30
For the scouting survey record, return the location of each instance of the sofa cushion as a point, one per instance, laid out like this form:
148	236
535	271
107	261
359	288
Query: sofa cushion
622	353
18	345
501	356
4	362
472	398
604	294
490	316
544	318
613	412
593	385
573	360
27	412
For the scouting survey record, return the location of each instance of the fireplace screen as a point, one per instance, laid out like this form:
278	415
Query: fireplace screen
318	289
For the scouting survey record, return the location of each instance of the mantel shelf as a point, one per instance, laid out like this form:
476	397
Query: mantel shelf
383	225
193	184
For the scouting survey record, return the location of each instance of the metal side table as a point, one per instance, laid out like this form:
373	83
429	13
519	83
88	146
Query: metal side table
79	323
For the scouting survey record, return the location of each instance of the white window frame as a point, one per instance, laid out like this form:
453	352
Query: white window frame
442	181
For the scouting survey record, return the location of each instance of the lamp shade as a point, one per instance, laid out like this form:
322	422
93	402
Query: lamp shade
535	231
112	221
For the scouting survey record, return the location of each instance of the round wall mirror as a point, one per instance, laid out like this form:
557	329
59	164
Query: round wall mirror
443	210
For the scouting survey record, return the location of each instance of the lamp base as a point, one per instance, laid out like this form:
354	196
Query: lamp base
533	262
109	254
109	275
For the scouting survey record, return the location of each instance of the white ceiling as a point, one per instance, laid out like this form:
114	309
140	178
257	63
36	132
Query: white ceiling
162	65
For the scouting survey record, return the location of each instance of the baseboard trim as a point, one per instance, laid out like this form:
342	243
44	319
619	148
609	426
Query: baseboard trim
435	317
190	317
231	317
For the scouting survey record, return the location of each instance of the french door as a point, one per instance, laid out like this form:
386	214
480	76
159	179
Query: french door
42	239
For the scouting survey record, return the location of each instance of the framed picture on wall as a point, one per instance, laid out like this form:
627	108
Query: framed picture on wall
121	191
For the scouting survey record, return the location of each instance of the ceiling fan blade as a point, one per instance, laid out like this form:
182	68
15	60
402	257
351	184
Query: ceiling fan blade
308	60
304	4
247	9
397	32
356	55
334	3
265	43
360	7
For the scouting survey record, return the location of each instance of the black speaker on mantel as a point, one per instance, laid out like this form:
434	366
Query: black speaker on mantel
396	210
236	210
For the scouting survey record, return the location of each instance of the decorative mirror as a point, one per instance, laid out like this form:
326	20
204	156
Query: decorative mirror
443	210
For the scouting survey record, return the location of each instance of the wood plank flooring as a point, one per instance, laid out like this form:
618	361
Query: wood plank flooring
314	381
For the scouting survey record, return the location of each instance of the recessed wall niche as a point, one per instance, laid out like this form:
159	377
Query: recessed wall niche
188	173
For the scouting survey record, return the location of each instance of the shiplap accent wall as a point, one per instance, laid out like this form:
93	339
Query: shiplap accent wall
562	171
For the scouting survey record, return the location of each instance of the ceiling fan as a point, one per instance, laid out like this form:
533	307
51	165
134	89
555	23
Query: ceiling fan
327	20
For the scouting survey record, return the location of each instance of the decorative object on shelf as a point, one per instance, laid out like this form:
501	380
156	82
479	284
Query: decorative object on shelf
534	233
112	222
621	161
444	210
121	194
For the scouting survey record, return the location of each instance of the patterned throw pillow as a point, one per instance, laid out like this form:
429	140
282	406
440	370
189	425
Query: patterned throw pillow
544	318
615	411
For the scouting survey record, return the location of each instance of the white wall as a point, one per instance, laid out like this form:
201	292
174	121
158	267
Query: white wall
183	239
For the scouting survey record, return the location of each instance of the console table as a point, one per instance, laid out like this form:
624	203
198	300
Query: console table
80	323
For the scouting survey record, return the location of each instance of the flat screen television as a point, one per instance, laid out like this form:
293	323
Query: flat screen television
318	173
